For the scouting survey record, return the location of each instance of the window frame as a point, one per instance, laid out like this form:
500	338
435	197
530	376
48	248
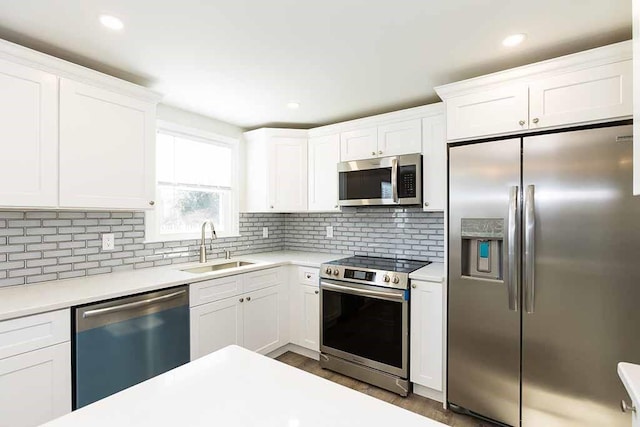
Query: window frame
152	225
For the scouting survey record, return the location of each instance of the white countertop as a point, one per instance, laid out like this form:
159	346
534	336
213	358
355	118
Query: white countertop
239	388
629	373
433	272
25	300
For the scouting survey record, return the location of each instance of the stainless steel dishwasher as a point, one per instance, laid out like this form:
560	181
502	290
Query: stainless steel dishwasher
122	342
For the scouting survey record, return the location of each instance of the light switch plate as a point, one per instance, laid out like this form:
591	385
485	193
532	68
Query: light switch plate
108	242
330	231
265	232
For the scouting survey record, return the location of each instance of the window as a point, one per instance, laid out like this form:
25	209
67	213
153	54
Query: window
196	181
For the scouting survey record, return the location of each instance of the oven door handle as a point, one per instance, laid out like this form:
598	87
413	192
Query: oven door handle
364	292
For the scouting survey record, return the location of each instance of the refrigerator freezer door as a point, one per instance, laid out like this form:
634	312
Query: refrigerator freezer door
484	334
586	287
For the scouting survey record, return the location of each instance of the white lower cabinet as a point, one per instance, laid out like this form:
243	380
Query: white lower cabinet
305	312
256	318
426	334
215	326
35	369
265	319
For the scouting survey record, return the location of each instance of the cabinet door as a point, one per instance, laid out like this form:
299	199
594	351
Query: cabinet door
28	137
288	174
426	334
36	386
359	144
216	325
434	163
400	138
265	314
107	145
310	327
598	93
324	155
500	110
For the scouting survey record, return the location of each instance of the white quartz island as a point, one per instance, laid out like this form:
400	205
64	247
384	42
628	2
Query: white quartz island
236	387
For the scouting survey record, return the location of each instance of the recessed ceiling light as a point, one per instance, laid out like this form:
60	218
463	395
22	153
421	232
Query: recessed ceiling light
293	105
514	40
111	22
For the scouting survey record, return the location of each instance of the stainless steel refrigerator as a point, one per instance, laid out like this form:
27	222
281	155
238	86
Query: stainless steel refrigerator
544	277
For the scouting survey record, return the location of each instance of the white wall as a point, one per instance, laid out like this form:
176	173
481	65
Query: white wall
197	121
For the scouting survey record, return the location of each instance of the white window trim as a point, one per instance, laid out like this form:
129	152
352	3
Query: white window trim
151	227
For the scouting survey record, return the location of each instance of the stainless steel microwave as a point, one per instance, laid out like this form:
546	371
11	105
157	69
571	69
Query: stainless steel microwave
395	180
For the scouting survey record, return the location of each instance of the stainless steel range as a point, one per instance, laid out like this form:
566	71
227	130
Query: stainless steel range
364	331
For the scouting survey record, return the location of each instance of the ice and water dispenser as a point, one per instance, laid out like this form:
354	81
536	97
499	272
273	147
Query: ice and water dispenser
482	241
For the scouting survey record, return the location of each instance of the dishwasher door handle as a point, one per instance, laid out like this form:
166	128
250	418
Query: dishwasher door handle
131	305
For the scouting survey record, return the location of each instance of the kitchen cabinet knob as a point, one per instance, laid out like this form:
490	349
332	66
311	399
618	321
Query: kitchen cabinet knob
625	407
536	120
414	286
241	299
380	152
271	206
151	202
521	122
336	207
308	276
248	299
317	292
426	203
373	153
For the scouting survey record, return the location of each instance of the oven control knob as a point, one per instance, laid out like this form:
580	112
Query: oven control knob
336	272
396	279
328	270
386	278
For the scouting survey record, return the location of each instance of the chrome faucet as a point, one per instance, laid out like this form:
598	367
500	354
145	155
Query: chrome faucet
203	248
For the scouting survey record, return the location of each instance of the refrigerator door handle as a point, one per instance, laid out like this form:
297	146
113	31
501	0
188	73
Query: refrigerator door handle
512	245
529	249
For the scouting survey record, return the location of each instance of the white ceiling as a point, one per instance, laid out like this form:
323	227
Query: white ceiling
241	61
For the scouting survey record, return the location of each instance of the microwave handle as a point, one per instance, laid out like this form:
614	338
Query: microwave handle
394	179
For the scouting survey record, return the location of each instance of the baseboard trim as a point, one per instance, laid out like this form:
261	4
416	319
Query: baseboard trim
311	354
429	393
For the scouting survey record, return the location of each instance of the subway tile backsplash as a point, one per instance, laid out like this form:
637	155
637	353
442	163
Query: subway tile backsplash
50	245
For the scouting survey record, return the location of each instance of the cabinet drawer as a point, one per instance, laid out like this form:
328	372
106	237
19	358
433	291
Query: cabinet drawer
308	276
262	279
215	289
31	333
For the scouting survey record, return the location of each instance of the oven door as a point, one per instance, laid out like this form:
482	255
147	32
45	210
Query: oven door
363	324
382	181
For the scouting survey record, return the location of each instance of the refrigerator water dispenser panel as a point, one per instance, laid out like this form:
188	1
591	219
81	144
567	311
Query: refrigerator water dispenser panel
482	241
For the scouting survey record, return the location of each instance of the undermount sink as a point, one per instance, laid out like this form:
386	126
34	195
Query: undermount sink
217	267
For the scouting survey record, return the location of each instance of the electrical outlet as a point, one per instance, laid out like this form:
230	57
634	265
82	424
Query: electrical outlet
265	232
330	231
108	242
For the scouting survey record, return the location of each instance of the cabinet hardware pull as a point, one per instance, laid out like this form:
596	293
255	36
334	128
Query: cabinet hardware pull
241	299
317	292
414	286
152	202
625	407
536	120
521	122
248	299
380	152
373	153
308	276
426	203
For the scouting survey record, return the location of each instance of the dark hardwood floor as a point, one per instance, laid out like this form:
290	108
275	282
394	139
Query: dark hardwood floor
418	404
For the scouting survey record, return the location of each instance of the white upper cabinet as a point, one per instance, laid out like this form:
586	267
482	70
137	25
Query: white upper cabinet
107	143
501	110
28	137
359	144
276	170
596	93
324	155
400	138
434	163
586	87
